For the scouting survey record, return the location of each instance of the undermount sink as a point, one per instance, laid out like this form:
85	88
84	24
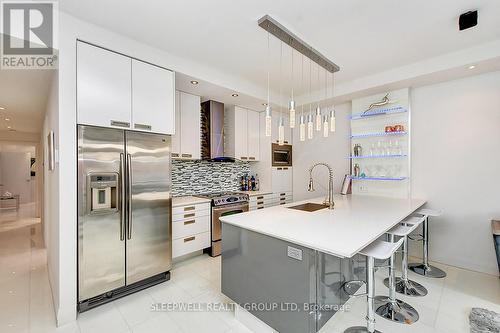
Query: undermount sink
309	207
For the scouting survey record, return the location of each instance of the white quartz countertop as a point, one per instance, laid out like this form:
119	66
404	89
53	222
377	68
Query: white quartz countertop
187	200
256	193
355	222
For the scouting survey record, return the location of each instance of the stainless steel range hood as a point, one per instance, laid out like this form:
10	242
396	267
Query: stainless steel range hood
212	132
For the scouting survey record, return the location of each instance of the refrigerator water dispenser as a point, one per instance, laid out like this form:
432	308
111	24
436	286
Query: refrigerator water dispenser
103	189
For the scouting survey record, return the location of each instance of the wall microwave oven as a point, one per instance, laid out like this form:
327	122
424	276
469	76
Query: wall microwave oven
281	155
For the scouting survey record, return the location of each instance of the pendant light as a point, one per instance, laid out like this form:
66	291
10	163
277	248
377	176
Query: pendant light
332	111
291	107
302	125
325	117
318	109
268	106
310	116
281	123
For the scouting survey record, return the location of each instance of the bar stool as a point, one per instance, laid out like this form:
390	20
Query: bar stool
424	268
403	285
376	250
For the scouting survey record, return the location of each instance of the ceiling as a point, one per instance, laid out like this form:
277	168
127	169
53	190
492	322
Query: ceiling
362	37
24	96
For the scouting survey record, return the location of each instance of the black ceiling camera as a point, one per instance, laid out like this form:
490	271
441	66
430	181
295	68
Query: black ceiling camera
467	20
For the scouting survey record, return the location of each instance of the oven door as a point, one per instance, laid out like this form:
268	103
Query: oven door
281	155
218	212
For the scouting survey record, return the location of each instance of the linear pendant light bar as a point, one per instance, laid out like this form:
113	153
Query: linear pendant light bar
279	31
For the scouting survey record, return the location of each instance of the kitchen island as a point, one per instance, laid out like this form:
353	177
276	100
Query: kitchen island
287	266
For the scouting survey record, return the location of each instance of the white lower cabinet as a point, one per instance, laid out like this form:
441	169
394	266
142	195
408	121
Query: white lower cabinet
190	228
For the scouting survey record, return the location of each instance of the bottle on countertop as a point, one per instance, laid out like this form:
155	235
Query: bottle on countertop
252	181
356	170
257	185
242	183
249	183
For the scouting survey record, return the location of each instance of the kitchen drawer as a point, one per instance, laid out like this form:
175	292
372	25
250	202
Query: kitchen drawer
190	211
188	227
190	244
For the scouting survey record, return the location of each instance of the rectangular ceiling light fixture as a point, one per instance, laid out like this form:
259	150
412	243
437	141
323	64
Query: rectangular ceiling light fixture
279	31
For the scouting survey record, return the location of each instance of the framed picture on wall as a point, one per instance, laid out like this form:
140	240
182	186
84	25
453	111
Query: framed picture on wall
50	151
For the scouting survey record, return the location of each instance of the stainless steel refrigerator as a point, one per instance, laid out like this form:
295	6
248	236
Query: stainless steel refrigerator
124	213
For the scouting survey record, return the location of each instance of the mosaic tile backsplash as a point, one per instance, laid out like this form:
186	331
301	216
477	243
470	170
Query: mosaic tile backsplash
197	177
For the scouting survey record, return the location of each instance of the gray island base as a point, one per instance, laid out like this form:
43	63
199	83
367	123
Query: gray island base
291	288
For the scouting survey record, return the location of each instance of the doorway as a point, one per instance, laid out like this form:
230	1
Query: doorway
20	188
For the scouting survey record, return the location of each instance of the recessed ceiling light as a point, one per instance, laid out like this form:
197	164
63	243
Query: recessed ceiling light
472	66
7	119
264	104
2	108
234	95
194	82
9	128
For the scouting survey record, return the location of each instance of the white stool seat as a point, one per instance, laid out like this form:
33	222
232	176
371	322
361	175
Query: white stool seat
429	212
414	220
381	250
402	230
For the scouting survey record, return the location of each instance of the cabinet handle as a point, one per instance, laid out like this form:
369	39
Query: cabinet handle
260	207
188	215
280	168
260	202
282	194
282	203
285	168
189	208
175	155
261	197
192	238
285	142
120	123
143	127
187	155
189	222
252	158
282	199
243	158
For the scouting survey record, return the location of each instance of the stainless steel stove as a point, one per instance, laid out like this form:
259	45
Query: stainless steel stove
223	204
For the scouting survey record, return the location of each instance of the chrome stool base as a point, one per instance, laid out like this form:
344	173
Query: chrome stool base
428	271
359	329
408	287
399	311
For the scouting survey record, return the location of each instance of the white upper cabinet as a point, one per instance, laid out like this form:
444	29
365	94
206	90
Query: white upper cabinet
152	98
103	87
186	143
242	134
176	138
114	90
253	136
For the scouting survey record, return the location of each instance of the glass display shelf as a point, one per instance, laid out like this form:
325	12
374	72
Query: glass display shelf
378	112
377	156
369	135
379	178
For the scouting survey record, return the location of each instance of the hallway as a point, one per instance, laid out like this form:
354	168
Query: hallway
25	295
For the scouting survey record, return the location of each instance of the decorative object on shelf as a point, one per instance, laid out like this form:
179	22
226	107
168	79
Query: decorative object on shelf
384	101
284	35
356	170
358	150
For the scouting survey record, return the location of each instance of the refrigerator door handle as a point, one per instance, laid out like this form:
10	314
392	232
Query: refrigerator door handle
123	206
129	182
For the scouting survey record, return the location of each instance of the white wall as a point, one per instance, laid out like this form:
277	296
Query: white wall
332	150
51	194
455	158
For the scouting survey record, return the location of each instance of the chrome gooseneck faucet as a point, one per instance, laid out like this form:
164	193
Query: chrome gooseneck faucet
329	200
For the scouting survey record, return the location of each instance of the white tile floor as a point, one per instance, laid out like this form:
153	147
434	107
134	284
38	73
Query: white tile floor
26	304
